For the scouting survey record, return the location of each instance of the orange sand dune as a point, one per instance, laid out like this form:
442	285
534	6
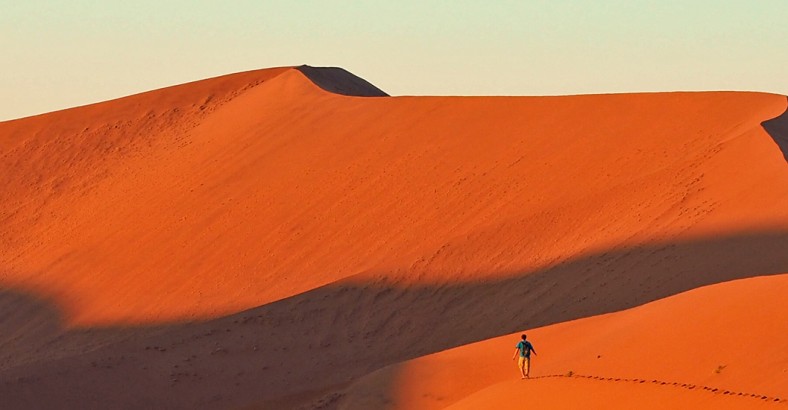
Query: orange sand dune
271	237
727	339
225	194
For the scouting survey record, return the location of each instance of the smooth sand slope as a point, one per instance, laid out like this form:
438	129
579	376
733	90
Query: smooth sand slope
720	340
255	239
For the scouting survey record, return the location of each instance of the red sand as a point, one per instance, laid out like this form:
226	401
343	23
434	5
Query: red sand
711	341
574	394
449	216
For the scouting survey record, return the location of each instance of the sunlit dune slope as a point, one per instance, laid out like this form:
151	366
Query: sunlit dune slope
720	345
212	197
579	393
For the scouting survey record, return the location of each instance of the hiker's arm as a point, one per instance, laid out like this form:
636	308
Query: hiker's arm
534	350
516	350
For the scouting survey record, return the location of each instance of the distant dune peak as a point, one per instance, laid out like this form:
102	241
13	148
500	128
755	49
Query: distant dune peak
778	129
340	81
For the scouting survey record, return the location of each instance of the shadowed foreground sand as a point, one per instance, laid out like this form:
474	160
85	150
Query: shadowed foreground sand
265	240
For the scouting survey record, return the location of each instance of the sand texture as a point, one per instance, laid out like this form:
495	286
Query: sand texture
295	238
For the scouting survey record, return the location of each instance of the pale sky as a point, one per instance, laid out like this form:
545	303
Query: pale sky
60	54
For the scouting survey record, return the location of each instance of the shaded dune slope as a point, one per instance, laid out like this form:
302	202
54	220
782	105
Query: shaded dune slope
134	231
778	129
339	81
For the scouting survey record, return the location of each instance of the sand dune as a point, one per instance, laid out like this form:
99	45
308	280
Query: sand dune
260	239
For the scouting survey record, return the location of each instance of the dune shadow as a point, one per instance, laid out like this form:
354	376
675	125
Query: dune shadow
304	349
24	321
340	81
777	128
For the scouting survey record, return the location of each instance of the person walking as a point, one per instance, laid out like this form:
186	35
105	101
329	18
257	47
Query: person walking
524	348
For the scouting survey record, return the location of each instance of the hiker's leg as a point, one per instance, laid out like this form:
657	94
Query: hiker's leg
527	366
521	365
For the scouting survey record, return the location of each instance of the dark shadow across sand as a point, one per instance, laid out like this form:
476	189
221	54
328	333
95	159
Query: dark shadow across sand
312	344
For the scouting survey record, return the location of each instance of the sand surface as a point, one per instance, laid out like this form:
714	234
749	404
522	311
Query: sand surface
581	393
256	240
708	341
